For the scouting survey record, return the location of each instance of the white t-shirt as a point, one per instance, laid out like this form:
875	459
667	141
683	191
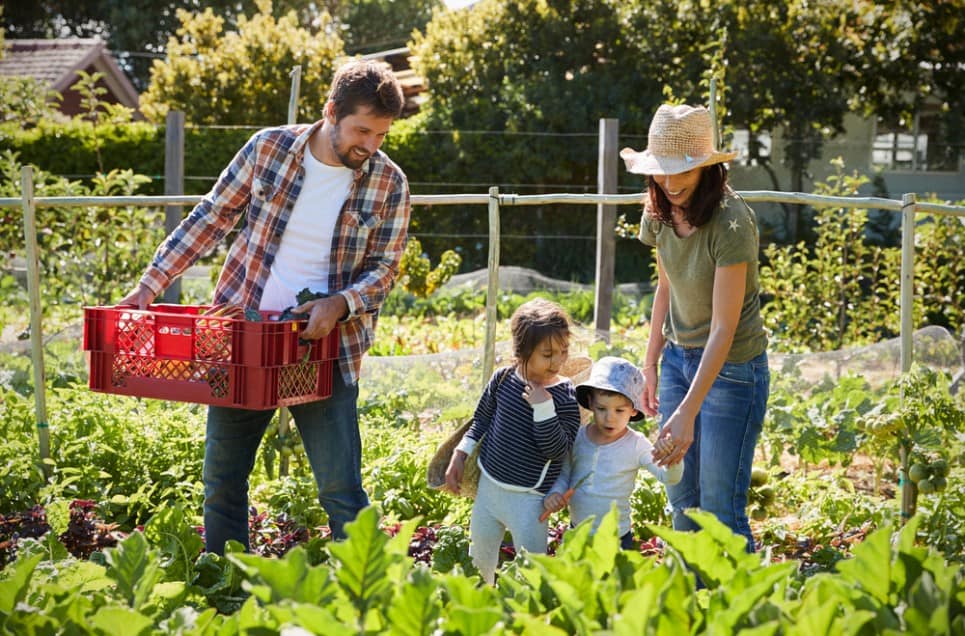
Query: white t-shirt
305	249
613	475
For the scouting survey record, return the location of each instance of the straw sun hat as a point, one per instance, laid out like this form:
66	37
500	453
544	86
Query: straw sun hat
576	368
681	138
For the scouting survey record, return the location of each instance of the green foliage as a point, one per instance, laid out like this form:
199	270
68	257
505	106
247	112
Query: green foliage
541	75
452	550
112	455
470	303
648	506
378	25
839	291
241	76
939	279
416	274
84	252
24	101
69	148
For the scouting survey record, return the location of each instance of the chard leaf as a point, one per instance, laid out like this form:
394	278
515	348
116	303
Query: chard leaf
415	608
134	567
871	567
361	561
121	620
289	578
13	587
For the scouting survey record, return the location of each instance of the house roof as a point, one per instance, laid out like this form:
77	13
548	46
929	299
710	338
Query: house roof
56	62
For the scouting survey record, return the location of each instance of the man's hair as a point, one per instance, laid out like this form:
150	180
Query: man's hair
359	84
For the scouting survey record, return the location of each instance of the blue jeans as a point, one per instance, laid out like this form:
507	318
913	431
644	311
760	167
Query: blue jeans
330	433
717	467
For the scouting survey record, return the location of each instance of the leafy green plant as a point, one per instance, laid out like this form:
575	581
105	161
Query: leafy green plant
417	276
820	426
86	254
851	287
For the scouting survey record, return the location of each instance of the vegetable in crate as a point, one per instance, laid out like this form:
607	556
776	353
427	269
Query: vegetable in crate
303	297
234	312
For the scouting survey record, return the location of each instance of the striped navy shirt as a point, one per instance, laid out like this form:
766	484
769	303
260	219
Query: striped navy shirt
516	448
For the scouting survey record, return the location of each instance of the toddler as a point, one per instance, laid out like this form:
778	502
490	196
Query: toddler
603	465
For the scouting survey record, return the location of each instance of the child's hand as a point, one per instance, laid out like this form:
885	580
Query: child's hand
553	502
457	466
535	393
662	448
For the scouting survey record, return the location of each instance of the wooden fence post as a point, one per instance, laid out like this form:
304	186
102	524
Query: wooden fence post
606	220
909	491
492	290
296	75
284	415
173	184
36	322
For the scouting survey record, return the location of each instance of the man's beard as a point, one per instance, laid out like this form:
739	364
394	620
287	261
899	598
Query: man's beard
345	155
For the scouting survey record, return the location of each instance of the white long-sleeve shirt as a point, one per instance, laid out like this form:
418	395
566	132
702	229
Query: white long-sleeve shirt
612	470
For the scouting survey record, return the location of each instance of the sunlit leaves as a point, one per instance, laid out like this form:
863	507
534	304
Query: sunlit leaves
241	75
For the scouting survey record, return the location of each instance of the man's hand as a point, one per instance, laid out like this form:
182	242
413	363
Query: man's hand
141	297
323	315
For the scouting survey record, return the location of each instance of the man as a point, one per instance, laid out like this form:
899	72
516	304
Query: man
323	208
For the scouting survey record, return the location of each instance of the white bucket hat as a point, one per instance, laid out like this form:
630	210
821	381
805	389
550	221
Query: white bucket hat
614	374
681	138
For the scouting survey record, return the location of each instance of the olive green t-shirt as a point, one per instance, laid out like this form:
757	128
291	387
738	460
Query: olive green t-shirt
730	237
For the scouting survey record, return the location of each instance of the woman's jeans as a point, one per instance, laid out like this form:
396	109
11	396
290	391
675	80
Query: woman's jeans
717	467
329	430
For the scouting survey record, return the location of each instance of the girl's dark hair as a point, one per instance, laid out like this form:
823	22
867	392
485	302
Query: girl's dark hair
706	199
533	322
371	85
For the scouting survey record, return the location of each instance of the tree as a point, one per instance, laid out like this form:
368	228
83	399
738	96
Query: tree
23	99
139	30
543	73
911	54
378	25
241	77
134	29
784	68
792	68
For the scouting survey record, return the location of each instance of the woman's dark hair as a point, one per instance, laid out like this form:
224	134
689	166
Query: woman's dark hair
533	322
706	199
371	85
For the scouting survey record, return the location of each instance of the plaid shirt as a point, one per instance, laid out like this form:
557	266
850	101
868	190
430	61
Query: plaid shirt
260	185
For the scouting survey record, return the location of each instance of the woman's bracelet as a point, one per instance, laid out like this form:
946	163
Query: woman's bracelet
648	366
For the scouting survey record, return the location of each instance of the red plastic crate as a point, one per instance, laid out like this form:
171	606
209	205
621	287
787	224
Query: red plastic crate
174	352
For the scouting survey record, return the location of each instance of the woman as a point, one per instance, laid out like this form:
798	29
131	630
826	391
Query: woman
706	328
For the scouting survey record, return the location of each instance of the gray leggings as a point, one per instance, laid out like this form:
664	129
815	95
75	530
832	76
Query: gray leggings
496	510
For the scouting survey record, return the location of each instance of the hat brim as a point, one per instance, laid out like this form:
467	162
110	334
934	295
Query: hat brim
583	392
647	163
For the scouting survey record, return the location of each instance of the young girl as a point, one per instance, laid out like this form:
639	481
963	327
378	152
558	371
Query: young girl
529	416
